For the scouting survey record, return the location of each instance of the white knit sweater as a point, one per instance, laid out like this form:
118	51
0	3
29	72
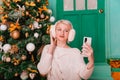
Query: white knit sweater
65	64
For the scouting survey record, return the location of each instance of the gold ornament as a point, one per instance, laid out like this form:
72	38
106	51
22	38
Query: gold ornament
16	61
16	1
26	34
48	30
4	19
14	26
31	26
16	74
14	49
1	9
47	2
32	70
6	3
37	19
30	3
27	13
1	38
8	0
44	8
15	34
23	57
47	17
38	0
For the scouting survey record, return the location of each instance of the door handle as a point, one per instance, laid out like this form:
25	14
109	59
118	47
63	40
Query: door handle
101	11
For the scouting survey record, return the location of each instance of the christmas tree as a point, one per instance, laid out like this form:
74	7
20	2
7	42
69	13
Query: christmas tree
24	30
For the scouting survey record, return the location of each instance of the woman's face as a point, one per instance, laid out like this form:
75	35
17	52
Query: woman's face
62	32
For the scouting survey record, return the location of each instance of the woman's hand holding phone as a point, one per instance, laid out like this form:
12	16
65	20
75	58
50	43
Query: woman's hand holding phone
88	51
86	48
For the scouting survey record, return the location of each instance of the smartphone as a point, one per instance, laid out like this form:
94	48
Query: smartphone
87	40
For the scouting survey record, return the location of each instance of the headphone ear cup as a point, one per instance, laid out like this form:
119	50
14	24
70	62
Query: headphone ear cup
52	30
71	35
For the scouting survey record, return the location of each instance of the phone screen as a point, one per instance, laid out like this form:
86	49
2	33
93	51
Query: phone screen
87	40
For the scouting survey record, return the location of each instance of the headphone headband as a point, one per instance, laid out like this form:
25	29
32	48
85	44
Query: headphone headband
64	22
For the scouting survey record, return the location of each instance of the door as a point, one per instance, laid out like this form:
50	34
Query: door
88	19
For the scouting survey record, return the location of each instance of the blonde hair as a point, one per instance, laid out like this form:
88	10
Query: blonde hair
66	22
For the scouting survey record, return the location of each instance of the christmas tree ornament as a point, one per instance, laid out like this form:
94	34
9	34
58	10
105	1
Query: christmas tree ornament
27	13
15	34
38	0
3	27
16	1
24	75
37	19
47	17
31	3
1	10
6	47
48	30
36	35
15	26
40	25
16	61
31	26
30	47
31	70
1	38
42	16
23	57
16	74
52	19
26	34
35	25
8	59
4	18
49	11
46	2
32	75
15	14
21	8
14	49
6	3
3	57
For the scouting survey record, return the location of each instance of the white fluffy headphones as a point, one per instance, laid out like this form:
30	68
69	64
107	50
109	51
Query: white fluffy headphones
71	33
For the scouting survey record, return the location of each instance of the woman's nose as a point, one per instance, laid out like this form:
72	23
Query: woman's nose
62	32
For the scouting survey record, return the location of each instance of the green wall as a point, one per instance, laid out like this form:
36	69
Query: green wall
113	28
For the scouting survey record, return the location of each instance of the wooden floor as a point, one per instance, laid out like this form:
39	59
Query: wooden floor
116	75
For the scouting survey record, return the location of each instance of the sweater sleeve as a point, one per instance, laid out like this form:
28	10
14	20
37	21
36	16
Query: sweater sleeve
83	71
44	64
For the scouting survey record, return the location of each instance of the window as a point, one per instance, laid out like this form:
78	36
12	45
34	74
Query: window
79	4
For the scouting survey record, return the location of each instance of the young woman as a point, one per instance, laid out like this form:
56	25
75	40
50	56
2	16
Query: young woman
61	62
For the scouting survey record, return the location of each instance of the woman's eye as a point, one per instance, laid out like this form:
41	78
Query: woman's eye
66	31
59	29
